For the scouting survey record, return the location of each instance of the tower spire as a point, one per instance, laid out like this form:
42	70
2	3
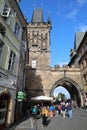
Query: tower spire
37	16
48	20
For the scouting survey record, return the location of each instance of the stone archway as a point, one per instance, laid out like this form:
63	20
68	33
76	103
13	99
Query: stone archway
4	107
72	87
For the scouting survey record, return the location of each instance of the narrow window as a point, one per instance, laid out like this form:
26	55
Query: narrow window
11	61
1	48
17	28
33	64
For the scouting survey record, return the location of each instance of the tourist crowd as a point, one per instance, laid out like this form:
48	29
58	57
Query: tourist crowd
63	108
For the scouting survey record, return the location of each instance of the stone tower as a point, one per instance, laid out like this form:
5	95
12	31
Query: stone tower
40	77
38	33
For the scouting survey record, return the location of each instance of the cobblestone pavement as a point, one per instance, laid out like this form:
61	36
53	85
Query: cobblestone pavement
78	122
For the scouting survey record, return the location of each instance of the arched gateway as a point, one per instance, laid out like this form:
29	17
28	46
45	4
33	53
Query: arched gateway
72	87
5	98
40	77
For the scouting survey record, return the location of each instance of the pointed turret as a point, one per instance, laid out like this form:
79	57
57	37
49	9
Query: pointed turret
37	16
48	20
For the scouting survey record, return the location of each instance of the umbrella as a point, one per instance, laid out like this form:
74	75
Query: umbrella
42	98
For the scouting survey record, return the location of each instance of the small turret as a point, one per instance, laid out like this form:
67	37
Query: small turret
37	16
48	20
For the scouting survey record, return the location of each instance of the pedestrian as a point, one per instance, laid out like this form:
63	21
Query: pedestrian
63	108
59	109
44	114
70	109
56	110
34	112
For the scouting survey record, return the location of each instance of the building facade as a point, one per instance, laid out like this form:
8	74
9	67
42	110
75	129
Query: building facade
41	79
38	34
80	57
12	41
82	54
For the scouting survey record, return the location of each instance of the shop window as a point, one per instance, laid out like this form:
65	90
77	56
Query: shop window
5	11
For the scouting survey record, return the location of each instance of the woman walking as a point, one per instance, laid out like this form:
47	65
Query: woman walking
44	116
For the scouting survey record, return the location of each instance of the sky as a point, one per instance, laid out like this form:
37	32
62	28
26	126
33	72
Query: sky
59	90
67	18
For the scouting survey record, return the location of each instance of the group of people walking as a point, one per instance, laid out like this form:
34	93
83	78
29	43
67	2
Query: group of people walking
64	108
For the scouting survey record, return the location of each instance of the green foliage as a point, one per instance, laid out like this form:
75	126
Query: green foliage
60	97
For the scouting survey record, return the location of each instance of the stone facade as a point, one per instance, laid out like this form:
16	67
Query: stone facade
40	77
82	54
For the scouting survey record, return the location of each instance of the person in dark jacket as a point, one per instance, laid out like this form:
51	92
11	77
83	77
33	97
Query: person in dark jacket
63	108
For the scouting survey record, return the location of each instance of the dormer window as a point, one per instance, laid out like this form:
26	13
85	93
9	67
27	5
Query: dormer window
5	11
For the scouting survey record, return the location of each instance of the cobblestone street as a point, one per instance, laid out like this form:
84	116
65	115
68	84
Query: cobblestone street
78	122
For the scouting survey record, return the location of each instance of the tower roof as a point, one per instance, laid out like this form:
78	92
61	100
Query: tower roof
78	38
37	16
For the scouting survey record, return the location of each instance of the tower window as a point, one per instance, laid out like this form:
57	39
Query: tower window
43	46
35	40
33	64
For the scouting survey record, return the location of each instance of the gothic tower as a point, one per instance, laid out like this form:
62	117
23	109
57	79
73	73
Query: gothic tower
40	77
38	33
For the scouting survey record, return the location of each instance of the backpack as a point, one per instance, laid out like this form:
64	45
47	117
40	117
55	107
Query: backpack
34	110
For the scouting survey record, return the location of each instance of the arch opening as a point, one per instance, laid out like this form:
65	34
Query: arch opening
4	107
61	89
71	87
